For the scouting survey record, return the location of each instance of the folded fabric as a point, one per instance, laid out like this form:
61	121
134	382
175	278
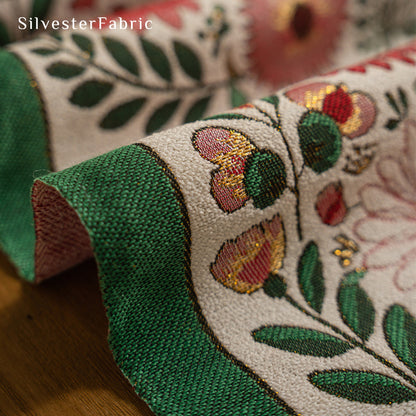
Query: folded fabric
71	96
261	261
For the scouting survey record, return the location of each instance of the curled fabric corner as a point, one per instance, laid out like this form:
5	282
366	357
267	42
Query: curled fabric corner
259	261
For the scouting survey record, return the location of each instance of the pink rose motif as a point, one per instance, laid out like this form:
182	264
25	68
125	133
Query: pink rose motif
390	221
245	263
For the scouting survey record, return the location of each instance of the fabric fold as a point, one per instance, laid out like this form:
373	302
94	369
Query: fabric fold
233	252
252	261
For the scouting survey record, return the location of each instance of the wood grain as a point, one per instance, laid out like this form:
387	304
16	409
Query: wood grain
54	356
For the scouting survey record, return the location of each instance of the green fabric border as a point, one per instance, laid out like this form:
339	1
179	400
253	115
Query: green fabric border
23	156
137	220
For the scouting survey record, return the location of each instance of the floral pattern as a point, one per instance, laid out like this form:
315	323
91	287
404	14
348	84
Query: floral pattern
244	170
353	112
245	263
304	30
390	221
330	204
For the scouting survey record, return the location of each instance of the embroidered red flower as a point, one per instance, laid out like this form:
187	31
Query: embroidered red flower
291	39
245	263
330	204
353	112
389	226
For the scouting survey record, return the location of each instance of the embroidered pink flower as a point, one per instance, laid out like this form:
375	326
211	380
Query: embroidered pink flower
390	222
229	149
330	204
245	263
353	112
291	39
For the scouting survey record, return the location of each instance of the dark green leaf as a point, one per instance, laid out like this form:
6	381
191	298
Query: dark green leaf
391	100
188	60
310	277
320	141
392	124
84	44
157	59
265	178
122	55
40	8
301	341
4	34
403	99
65	70
362	386
161	116
400	332
56	35
236	96
275	286
355	306
122	114
197	109
272	99
90	93
44	51
228	116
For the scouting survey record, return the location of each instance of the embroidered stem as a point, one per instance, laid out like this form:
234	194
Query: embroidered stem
295	189
352	341
138	84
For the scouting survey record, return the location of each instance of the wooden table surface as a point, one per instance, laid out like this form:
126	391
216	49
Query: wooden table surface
54	356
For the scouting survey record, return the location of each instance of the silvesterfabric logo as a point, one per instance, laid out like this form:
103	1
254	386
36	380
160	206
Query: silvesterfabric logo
34	23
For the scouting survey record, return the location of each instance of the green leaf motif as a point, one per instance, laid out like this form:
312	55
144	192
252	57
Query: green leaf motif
122	114
40	8
161	116
301	341
237	97
188	60
362	386
392	102
275	286
121	55
392	124
320	141
84	44
400	332
272	99
197	109
44	51
310	276
265	178
90	93
403	99
228	116
4	34
65	70
157	59
356	308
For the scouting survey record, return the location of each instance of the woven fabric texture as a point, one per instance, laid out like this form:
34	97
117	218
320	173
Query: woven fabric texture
253	261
